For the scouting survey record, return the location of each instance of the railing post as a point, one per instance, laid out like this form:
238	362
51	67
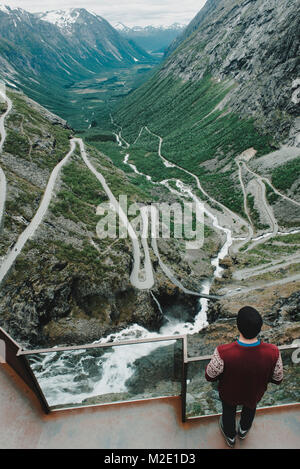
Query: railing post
183	397
2	351
34	385
184	378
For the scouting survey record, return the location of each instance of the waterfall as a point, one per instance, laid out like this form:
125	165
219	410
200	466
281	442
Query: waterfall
157	302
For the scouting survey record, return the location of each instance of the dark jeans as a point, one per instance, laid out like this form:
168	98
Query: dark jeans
228	419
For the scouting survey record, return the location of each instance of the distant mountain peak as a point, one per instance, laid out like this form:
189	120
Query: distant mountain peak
123	28
9	10
64	19
60	17
152	38
71	44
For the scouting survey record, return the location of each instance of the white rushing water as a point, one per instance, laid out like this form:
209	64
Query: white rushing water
58	372
70	377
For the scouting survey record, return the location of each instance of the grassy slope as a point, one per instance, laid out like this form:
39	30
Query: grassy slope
286	174
37	145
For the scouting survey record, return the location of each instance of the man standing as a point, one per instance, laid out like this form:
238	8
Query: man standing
244	368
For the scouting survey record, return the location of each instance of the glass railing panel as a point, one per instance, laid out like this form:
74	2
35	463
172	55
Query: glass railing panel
288	392
202	398
116	373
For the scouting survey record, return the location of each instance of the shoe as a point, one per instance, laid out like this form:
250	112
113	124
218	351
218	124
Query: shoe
229	441
242	433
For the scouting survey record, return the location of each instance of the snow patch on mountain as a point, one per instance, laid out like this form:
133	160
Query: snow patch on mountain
10	10
121	27
61	18
4	9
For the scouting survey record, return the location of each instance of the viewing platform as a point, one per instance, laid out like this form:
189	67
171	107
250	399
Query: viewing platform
154	424
166	403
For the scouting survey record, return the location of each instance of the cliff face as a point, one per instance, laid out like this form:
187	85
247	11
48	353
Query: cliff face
256	44
209	7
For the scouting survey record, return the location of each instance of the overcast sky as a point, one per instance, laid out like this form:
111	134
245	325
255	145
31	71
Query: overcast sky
129	12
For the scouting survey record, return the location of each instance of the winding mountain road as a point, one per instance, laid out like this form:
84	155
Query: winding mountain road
152	212
233	215
140	279
274	265
2	195
246	210
142	276
3	184
264	179
3	117
30	230
260	286
167	271
261	182
261	195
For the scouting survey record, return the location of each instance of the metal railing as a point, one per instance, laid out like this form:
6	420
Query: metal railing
130	371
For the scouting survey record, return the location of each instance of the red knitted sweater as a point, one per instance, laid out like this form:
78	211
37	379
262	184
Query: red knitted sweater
244	372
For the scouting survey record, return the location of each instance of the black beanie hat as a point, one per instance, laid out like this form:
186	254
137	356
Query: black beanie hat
249	322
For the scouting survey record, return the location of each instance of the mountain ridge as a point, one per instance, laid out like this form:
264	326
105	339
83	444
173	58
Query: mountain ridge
91	30
45	60
152	38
